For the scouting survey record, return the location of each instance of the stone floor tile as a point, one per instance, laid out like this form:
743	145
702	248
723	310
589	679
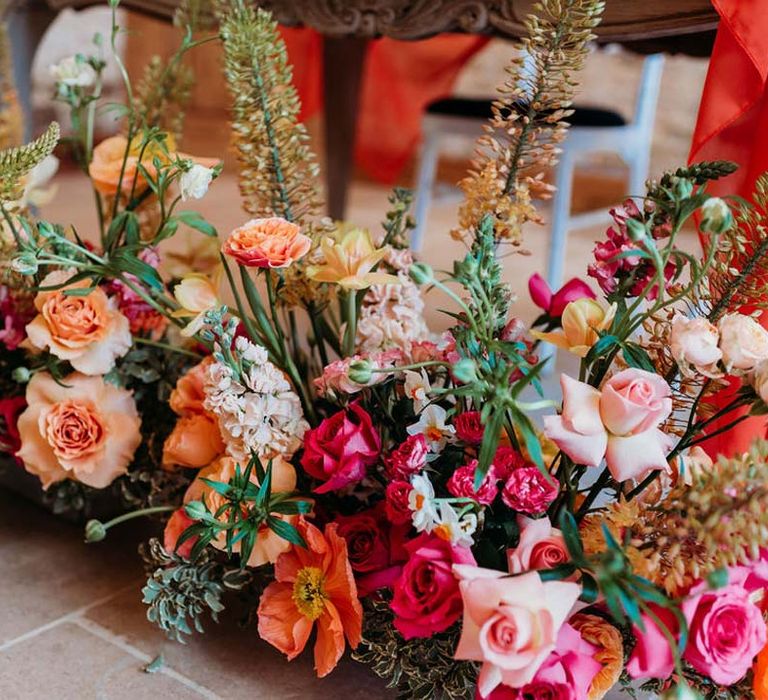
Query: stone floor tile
69	663
233	662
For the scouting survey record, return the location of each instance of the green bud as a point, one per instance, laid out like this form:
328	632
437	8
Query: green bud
95	531
21	375
716	216
465	370
717	578
196	510
45	230
683	188
421	273
25	264
636	230
360	371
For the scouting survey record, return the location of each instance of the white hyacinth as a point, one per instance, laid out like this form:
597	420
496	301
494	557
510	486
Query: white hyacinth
74	72
259	413
194	182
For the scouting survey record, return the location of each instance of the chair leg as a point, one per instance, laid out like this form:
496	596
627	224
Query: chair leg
639	166
425	181
561	212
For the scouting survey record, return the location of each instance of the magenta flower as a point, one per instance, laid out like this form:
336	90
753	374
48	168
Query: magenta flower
554	303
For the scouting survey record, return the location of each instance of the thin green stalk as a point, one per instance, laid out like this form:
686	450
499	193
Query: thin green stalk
166	346
350	332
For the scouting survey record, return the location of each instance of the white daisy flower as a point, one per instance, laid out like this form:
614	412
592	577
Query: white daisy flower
421	502
451	528
432	426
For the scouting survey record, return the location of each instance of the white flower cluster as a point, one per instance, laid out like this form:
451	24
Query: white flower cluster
392	315
260	413
438	516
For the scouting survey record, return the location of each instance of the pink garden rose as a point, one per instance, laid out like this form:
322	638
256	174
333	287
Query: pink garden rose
375	548
462	484
652	656
426	595
510	623
407	459
541	546
341	448
527	490
554	303
620	423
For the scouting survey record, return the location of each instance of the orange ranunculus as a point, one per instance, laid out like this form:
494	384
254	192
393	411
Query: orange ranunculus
610	651
760	670
189	393
86	330
272	242
269	545
83	429
312	584
107	164
195	441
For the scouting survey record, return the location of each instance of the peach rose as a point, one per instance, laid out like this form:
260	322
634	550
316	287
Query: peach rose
582	321
620	423
541	546
269	545
86	330
189	393
743	341
83	429
194	442
693	343
510	623
272	242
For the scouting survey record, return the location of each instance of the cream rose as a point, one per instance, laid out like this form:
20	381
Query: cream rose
86	330
743	341
82	429
694	343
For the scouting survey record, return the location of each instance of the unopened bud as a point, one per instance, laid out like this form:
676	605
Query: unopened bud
95	531
464	370
25	264
683	188
195	510
421	273
21	375
716	216
360	371
636	230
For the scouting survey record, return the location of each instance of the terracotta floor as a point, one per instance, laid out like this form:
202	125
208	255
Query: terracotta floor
73	626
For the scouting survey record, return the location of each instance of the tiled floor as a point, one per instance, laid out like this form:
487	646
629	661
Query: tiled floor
72	625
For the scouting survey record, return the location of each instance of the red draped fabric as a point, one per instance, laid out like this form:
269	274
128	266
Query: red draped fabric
733	125
400	79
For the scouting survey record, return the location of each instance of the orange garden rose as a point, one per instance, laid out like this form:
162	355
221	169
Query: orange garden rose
269	545
313	585
760	670
610	651
83	429
86	330
272	242
195	440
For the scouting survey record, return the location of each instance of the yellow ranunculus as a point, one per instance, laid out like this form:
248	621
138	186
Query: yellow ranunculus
582	322
196	294
349	262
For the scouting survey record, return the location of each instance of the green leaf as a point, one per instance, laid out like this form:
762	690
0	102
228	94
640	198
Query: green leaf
570	531
126	261
262	497
636	356
217	486
292	507
604	344
194	220
286	531
489	444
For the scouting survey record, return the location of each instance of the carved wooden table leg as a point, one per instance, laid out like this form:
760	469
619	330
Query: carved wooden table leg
343	60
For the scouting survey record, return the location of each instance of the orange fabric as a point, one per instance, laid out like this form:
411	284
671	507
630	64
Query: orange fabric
732	124
400	78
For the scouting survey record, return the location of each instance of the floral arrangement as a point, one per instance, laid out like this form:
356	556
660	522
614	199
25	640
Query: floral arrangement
282	406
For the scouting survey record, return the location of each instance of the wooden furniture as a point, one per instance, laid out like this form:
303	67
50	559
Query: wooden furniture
647	25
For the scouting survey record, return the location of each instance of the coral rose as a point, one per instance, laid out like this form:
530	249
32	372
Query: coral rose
426	595
541	546
269	545
341	448
620	423
195	442
511	623
272	242
86	330
743	341
83	429
189	393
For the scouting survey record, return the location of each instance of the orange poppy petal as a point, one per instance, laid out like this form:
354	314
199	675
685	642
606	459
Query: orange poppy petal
330	640
280	623
341	588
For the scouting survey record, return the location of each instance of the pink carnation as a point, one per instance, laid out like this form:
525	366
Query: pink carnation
527	490
469	427
462	482
408	458
506	460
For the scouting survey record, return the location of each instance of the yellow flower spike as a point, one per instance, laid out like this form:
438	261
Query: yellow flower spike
349	262
196	294
582	322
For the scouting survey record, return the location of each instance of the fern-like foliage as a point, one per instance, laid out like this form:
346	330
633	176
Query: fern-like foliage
278	171
15	163
520	142
163	93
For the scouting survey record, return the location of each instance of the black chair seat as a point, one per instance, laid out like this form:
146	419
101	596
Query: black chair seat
481	109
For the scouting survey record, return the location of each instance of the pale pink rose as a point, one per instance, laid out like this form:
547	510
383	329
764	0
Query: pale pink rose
541	546
743	341
87	330
693	343
760	380
620	423
83	429
510	623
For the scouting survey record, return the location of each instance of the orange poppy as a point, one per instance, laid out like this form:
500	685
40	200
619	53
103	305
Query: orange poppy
313	584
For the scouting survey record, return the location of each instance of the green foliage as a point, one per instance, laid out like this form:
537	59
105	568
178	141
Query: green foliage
15	163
